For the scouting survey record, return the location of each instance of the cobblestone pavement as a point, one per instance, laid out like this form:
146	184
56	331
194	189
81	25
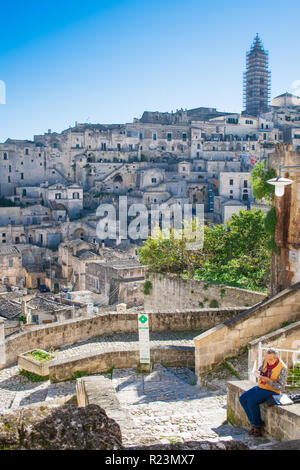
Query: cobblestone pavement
123	341
16	390
165	407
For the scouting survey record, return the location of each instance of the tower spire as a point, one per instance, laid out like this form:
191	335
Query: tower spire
257	79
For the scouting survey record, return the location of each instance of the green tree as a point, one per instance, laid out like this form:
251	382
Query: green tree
237	254
258	180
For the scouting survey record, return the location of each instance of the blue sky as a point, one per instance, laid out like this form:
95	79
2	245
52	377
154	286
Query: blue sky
108	61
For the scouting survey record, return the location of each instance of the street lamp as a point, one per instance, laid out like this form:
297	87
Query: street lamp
280	182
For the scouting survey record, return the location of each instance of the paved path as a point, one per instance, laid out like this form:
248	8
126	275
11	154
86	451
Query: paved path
16	390
165	407
123	341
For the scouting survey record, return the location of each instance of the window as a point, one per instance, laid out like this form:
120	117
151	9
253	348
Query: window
245	184
103	146
231	182
58	196
154	136
141	136
10	263
22	176
153	180
75	195
119	147
184	137
5	156
9	168
169	136
26	152
265	136
198	146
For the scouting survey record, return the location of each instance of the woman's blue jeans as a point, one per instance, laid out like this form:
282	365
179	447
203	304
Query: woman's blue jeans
251	400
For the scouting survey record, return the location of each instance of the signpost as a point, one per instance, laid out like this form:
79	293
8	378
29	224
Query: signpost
145	364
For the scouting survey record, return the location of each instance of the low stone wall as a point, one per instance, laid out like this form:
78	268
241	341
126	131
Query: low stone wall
100	391
170	291
284	338
281	422
64	369
55	335
231	337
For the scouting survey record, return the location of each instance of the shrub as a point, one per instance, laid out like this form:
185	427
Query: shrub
147	287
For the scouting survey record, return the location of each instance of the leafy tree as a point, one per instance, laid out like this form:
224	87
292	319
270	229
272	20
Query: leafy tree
258	180
237	254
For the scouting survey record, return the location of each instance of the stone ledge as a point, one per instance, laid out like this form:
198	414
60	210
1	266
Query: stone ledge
93	363
281	422
100	391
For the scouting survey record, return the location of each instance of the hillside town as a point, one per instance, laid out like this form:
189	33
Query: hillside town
76	294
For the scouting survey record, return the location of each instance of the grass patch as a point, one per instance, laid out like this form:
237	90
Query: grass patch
78	374
230	369
33	377
39	356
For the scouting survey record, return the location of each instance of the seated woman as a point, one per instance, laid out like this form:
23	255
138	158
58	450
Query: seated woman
272	379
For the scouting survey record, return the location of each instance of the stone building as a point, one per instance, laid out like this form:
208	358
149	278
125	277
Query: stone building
286	264
117	281
10	265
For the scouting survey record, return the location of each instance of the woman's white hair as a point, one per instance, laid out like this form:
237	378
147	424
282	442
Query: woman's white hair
273	351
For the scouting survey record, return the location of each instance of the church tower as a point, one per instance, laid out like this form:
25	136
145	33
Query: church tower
257	80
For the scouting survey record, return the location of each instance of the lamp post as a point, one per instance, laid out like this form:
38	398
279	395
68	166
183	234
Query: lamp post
280	182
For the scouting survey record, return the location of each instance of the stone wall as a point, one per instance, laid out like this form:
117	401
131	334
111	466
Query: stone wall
284	338
169	292
286	265
281	422
57	334
64	369
230	338
2	344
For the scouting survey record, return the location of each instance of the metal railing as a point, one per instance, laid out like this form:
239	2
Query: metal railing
290	357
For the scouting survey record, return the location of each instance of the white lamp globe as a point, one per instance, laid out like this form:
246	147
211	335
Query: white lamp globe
279	184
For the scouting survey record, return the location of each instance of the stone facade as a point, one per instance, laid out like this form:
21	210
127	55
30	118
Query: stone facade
169	292
286	265
10	265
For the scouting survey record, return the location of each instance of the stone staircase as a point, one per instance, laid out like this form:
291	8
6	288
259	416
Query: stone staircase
164	409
